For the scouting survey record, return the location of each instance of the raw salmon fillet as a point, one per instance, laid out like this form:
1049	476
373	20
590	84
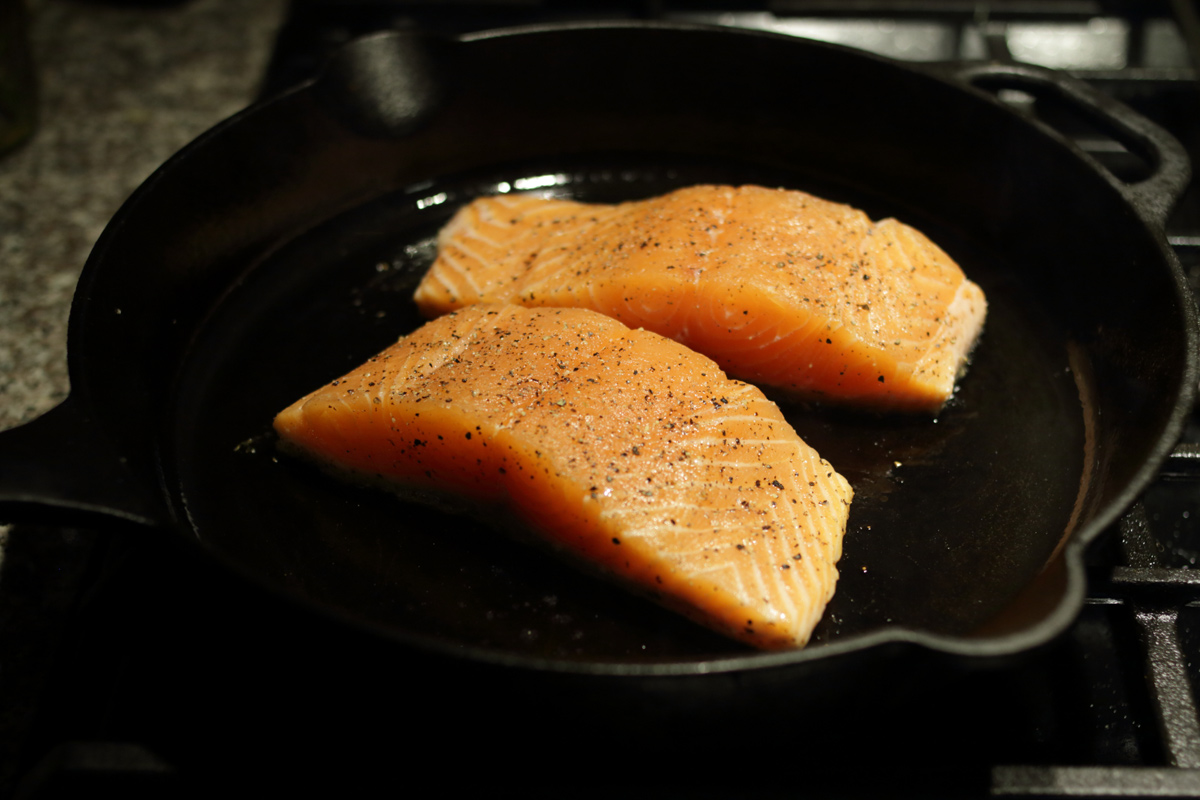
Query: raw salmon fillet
621	449
781	288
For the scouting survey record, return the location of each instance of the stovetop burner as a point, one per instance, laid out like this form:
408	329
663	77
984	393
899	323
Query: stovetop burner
137	694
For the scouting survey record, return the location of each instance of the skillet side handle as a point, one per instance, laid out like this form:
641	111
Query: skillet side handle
384	85
59	469
1170	168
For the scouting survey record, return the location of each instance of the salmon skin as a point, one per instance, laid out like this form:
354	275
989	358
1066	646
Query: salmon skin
620	449
781	288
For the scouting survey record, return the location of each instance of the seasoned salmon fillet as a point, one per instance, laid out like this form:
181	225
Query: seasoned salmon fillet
620	449
781	288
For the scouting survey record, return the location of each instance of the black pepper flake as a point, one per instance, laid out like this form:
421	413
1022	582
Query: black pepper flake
777	484
616	540
881	379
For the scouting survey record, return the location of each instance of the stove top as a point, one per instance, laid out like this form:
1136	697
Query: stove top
168	677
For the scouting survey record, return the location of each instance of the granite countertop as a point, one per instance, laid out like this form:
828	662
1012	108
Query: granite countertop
121	89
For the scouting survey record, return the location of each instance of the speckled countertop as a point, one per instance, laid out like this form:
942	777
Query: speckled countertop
121	89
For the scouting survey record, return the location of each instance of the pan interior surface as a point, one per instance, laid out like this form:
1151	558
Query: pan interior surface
952	518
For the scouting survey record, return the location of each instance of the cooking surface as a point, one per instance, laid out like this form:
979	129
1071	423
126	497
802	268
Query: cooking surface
1081	704
1007	451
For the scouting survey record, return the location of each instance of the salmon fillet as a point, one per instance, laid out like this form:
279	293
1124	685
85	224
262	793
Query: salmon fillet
781	288
621	449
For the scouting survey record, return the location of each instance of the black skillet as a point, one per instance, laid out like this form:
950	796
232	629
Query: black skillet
281	248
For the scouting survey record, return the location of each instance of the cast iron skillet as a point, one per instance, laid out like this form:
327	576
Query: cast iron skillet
281	248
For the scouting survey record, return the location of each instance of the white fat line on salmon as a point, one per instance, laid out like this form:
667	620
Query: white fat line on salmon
415	359
444	278
379	392
753	565
719	417
459	270
717	229
414	364
827	501
735	570
475	234
813	575
699	553
485	209
537	202
922	278
746	473
816	507
804	533
774	559
782	449
772	549
899	251
775	450
476	215
915	344
609	513
787	447
749	393
533	280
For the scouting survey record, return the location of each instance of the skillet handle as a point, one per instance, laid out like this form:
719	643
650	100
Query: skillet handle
60	469
1170	169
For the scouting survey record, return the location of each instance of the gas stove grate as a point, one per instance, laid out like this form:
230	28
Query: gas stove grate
1153	599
